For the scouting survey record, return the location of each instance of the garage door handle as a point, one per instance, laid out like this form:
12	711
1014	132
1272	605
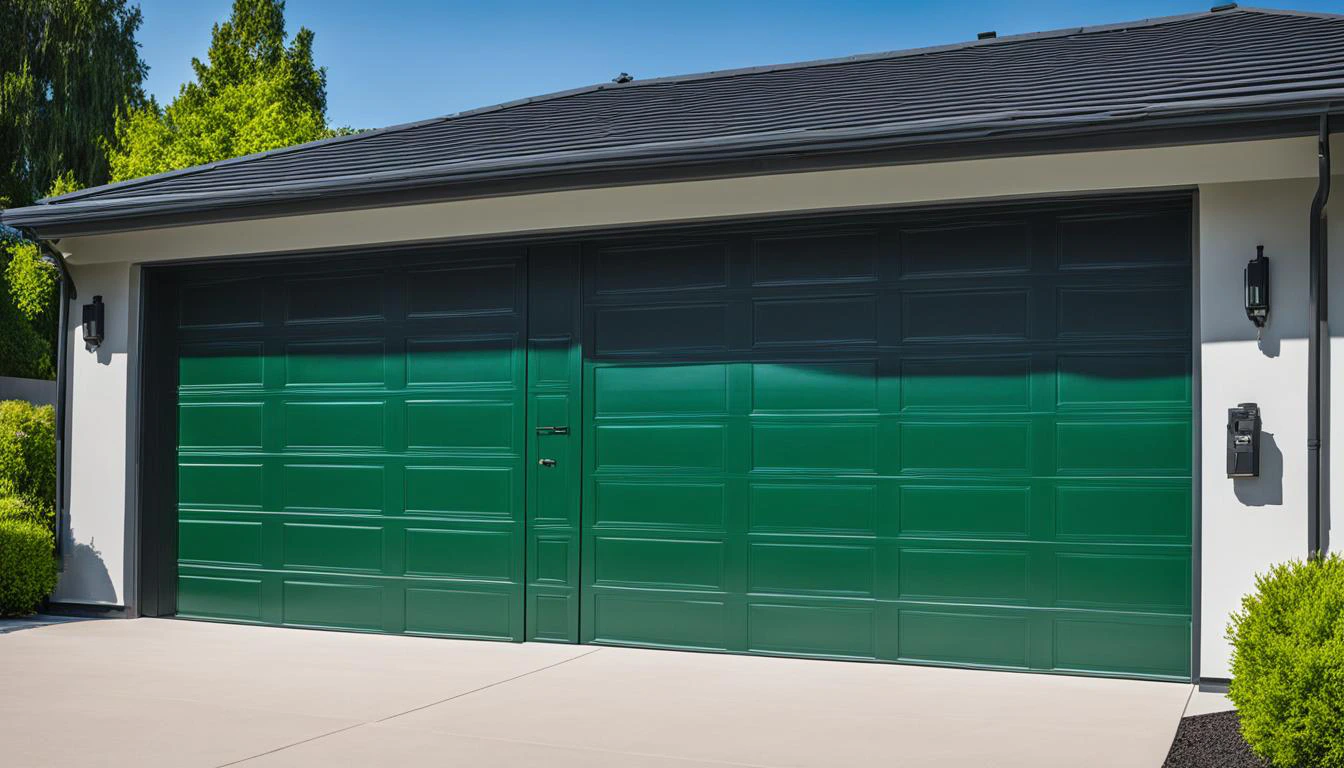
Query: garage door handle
546	462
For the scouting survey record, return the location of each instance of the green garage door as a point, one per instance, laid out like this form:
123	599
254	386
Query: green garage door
351	442
948	440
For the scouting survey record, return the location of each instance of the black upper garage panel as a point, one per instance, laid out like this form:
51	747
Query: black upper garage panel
1198	69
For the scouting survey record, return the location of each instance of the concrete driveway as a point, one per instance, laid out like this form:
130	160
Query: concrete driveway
155	692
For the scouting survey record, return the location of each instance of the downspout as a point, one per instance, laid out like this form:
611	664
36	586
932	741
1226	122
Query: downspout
67	295
1318	475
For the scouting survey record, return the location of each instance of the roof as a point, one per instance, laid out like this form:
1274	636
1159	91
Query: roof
1196	68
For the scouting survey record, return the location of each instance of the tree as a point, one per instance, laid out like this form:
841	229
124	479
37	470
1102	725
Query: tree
254	92
69	69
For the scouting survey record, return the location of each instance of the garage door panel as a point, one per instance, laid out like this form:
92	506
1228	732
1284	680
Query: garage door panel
916	450
363	453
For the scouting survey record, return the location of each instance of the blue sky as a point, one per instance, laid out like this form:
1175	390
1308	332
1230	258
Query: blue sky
393	61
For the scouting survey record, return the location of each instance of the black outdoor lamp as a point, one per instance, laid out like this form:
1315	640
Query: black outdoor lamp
1256	278
93	323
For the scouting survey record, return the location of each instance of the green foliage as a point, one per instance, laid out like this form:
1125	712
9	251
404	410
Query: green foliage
28	567
68	70
24	351
254	93
32	282
1288	664
31	511
28	452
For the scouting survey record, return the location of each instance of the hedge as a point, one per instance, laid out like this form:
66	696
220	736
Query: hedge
27	567
1288	664
28	457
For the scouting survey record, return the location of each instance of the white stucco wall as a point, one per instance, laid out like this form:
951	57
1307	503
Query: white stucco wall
1249	193
1249	523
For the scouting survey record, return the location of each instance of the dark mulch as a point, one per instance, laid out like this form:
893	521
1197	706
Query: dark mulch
1211	741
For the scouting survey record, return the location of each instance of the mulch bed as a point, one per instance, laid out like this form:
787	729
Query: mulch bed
1211	741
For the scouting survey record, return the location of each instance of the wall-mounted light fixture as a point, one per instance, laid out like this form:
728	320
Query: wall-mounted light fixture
1256	278
93	323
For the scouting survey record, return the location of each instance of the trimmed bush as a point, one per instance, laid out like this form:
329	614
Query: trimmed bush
28	452
27	567
1288	664
32	511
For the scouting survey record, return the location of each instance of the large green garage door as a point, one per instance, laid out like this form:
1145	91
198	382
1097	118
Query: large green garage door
946	439
351	441
939	438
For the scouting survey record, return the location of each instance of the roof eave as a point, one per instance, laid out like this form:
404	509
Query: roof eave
993	137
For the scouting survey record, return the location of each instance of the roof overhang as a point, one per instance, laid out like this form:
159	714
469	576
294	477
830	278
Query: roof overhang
994	136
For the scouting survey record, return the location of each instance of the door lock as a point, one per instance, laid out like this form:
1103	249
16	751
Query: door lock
546	462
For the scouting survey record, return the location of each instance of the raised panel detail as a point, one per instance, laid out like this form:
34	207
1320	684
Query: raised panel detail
966	447
475	362
333	487
1116	448
219	542
964	511
480	555
1131	311
966	383
1124	582
229	426
670	447
334	425
1156	647
839	386
330	299
965	315
314	604
332	363
217	597
236	303
1116	513
225	364
843	320
1123	380
219	486
669	622
808	630
458	612
661	328
816	258
333	547
808	569
964	574
851	447
965	249
460	491
963	638
460	424
470	289
666	563
659	504
1124	240
803	508
664	267
661	389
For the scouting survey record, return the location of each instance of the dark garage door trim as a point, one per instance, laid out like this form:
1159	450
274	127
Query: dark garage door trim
157	439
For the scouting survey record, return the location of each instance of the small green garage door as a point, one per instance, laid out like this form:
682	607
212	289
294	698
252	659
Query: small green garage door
950	440
351	439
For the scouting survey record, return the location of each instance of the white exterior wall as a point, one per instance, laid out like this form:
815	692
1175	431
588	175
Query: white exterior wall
1249	193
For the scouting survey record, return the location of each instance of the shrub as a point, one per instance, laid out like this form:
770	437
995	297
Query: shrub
1288	664
28	510
28	451
27	567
